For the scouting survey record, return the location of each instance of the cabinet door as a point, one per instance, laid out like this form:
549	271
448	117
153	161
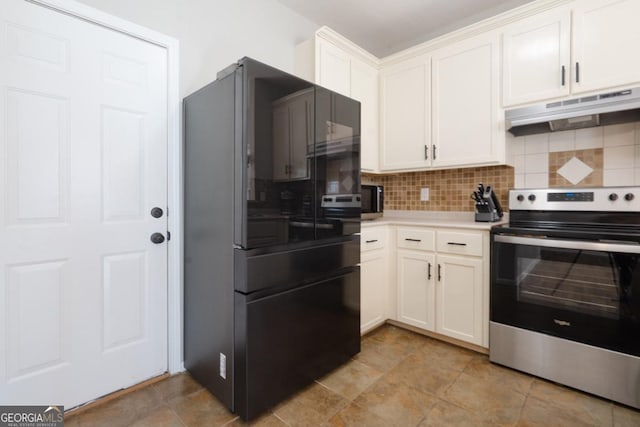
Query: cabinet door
333	67
404	115
536	62
364	88
281	143
374	289
459	298
299	137
605	44
466	120
416	292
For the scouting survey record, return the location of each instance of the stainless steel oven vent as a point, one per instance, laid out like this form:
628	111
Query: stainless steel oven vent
576	113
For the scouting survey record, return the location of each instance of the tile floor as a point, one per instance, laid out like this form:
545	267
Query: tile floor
399	379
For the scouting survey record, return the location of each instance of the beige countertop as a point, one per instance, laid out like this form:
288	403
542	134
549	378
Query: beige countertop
444	219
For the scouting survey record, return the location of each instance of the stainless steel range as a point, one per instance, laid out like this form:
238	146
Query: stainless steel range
565	288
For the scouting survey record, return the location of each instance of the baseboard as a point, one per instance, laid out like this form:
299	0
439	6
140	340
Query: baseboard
440	337
109	397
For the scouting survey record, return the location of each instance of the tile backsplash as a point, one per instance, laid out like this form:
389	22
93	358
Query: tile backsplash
599	156
449	189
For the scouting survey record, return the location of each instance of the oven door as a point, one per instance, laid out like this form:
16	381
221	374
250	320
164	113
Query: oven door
585	291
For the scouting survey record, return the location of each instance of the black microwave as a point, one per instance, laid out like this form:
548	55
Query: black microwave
372	201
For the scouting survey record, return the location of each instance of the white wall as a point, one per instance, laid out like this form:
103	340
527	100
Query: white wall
215	33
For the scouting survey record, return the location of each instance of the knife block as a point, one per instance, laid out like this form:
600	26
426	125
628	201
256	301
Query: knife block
487	216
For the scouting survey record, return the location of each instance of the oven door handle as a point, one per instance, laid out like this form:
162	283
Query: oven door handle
569	244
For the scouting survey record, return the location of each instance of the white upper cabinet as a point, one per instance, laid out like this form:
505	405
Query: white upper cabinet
536	63
337	64
466	115
333	67
606	35
442	109
405	115
587	46
364	88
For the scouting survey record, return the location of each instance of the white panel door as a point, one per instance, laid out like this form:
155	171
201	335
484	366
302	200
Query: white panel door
334	68
466	116
536	62
459	298
83	155
364	88
605	44
374	289
416	288
405	115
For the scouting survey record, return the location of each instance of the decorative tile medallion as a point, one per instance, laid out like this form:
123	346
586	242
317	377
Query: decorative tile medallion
576	168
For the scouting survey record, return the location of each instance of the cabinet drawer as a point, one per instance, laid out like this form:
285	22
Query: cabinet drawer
372	238
463	243
416	238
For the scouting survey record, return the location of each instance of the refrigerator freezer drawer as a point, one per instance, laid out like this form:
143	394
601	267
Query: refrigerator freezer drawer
257	270
285	341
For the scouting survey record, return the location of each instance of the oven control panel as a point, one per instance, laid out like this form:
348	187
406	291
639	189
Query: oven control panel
571	196
610	199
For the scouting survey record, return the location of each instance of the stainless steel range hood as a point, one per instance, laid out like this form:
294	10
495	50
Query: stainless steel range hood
595	110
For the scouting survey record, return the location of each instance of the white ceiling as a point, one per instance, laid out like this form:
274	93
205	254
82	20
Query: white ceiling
383	27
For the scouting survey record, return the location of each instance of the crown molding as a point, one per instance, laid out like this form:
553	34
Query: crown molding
336	38
494	23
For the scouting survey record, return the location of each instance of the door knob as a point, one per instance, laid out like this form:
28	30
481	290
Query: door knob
156	212
157	238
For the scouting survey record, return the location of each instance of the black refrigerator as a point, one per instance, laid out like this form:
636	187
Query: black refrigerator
271	226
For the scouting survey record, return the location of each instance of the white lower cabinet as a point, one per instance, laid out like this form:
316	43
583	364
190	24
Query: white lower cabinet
442	286
416	288
459	294
374	278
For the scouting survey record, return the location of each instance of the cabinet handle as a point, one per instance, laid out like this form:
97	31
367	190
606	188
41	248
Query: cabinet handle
577	72
434	151
456	244
371	241
413	240
429	271
426	152
563	72
439	272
